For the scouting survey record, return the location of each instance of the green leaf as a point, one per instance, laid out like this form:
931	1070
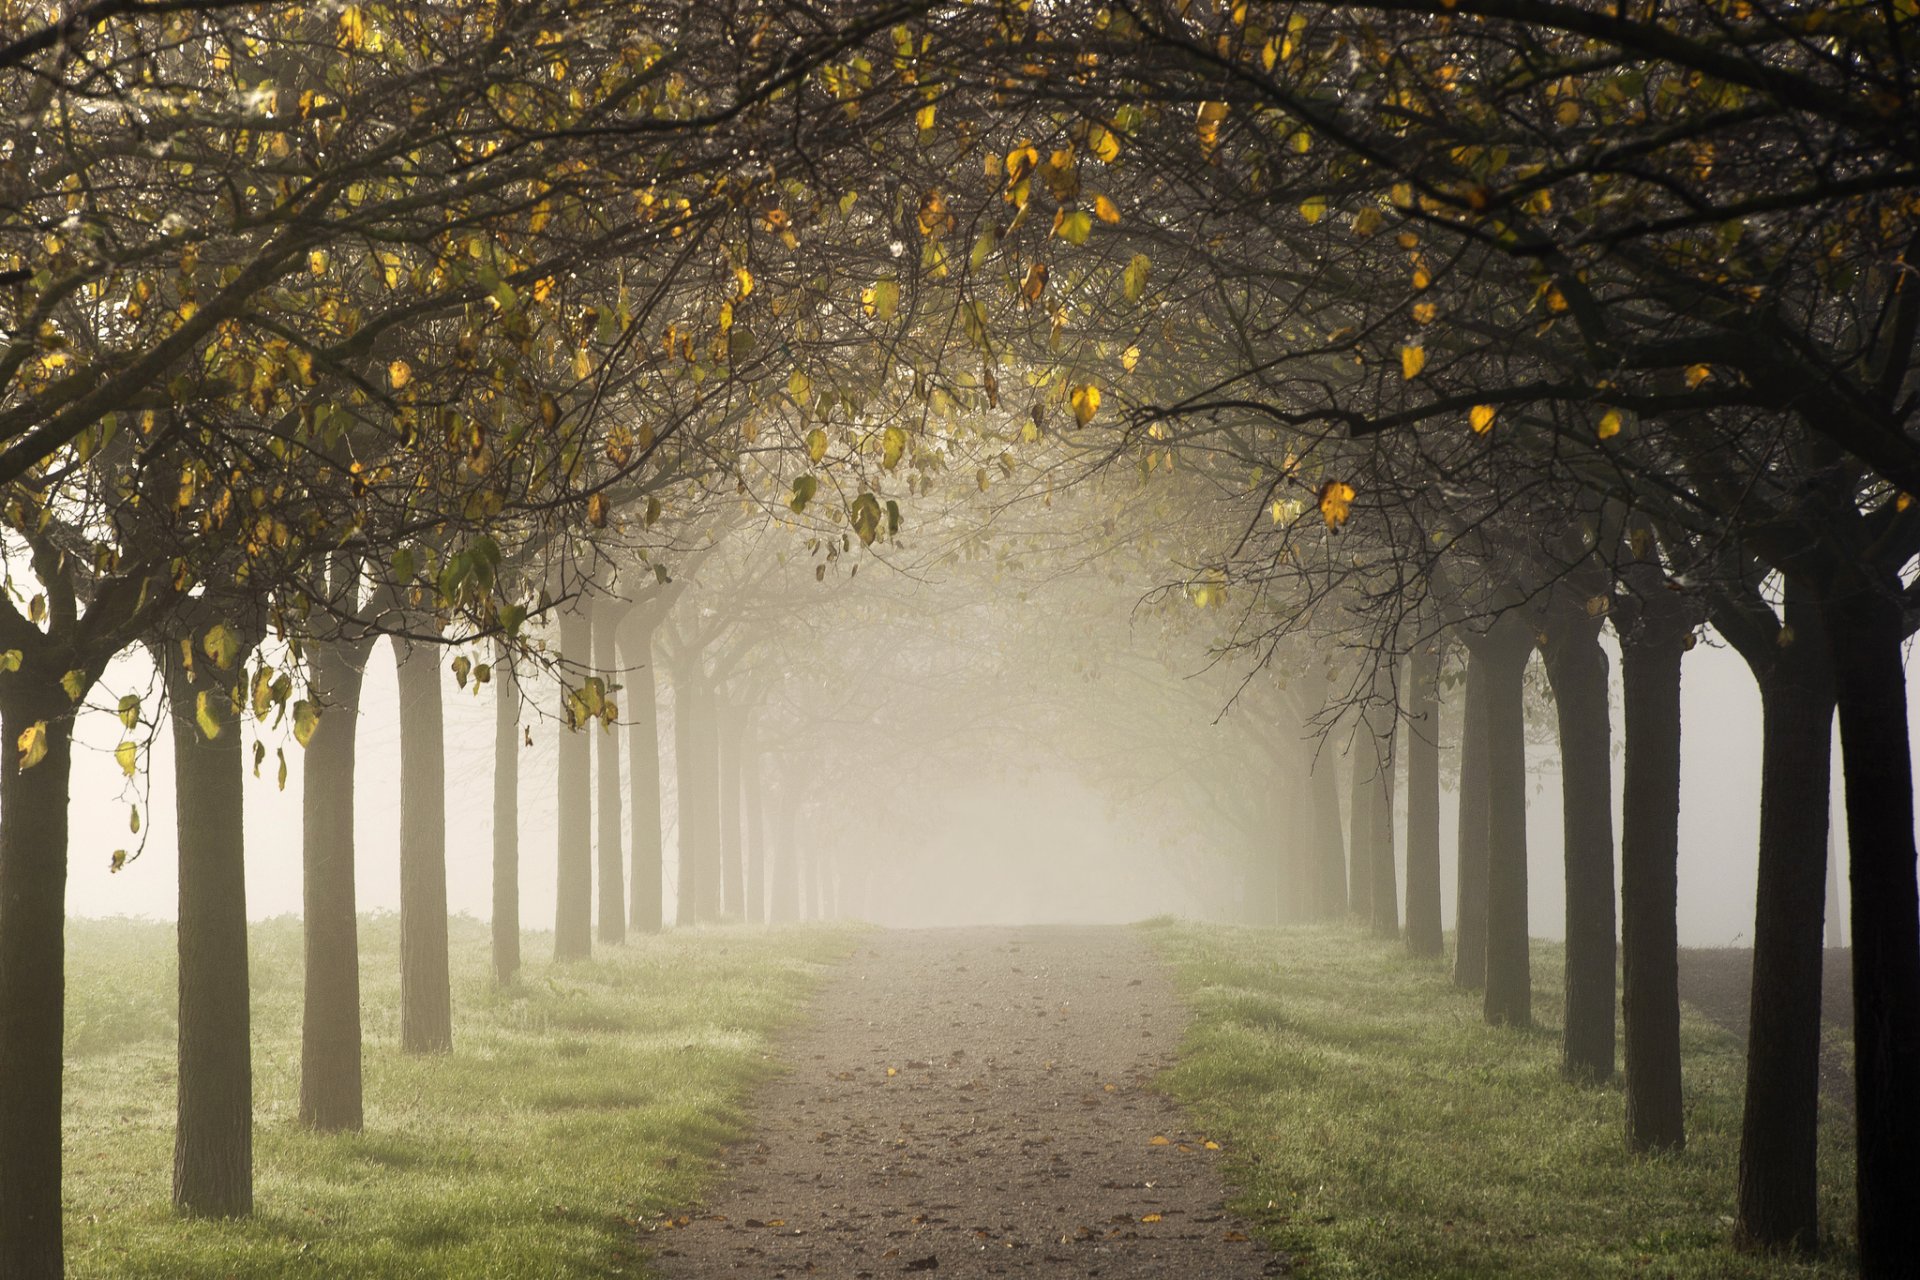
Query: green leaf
804	487
128	755
866	518
11	660
221	645
461	666
983	248
205	715
1134	279
893	443
403	564
130	710
816	445
75	683
886	298
283	766
1075	227
306	719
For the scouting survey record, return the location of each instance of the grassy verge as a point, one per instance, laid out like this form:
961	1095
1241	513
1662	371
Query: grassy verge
579	1100
1379	1128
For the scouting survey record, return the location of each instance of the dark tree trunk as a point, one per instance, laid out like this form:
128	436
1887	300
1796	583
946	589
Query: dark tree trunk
1424	926
33	887
1360	811
1508	1000
612	921
733	896
213	1136
573	901
1650	651
643	779
785	854
1577	668
1779	1196
1865	630
506	821
426	1001
330	1099
1329	840
1470	888
1383	880
756	834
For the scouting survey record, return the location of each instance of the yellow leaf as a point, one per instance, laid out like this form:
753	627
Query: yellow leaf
1105	147
1207	120
1412	360
799	386
1424	312
1313	208
597	510
1159	1140
204	713
399	373
1480	418
816	444
353	27
33	744
306	720
1073	227
1336	502
1086	403
1902	501
1105	210
893	1071
1609	425
1697	374
923	118
128	754
1129	358
744	278
893	443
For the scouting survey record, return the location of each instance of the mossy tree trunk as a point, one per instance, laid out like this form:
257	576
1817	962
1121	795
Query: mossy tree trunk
330	1086
506	819
213	1132
1577	669
610	852
573	899
426	1000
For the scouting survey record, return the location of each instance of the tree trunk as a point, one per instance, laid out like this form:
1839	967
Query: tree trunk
1360	812
573	901
698	762
1383	879
1650	654
506	819
426	1001
1577	668
1424	927
213	1135
1779	1193
33	886
330	1025
1329	840
1508	1000
733	896
756	835
643	779
1866	631
1470	889
612	921
786	862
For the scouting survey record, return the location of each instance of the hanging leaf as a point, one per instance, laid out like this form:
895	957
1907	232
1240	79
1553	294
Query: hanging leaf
221	645
804	487
1480	418
1336	502
462	665
128	756
205	715
33	744
816	445
1133	281
1609	425
130	709
866	516
1105	210
893	444
75	685
1412	360
306	719
1086	403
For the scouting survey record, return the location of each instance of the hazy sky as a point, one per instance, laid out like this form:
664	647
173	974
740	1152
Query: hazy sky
1081	861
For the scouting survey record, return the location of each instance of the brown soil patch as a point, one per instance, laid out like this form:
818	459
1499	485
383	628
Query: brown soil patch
976	1102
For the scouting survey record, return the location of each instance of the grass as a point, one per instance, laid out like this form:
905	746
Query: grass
578	1102
1378	1128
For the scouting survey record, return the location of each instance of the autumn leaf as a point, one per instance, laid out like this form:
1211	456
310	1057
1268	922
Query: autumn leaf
597	510
1697	374
1133	281
33	744
128	756
1609	426
1313	208
1480	418
1105	210
1130	358
1336	502
1086	403
1073	227
893	443
804	487
1413	358
306	721
816	445
399	374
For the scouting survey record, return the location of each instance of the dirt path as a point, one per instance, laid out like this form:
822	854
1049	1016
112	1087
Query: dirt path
973	1102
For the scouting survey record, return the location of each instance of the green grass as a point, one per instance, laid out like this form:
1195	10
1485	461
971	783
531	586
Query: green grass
577	1102
1378	1128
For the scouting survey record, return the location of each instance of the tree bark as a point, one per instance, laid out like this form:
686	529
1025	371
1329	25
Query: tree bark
1470	889
1360	812
506	819
213	1133
1865	631
330	1097
1382	879
426	1000
643	779
785	908
733	896
33	886
1779	1194
1424	926
573	901
756	830
1650	651
612	922
1508	999
1577	669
